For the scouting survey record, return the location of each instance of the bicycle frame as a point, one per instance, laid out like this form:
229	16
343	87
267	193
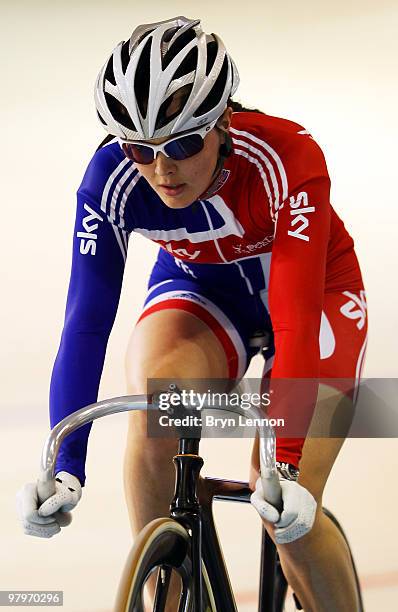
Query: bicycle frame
192	504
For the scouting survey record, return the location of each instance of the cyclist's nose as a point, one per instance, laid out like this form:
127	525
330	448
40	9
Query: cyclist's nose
164	165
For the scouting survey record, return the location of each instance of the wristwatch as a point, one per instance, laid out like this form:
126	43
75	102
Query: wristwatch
287	470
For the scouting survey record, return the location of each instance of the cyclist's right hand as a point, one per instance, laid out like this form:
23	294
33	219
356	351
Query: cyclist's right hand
46	520
298	514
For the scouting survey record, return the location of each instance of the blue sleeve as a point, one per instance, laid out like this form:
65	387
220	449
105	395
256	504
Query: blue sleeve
99	251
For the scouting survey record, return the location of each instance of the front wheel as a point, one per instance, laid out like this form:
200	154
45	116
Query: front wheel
162	545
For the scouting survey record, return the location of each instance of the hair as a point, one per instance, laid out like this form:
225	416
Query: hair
237	107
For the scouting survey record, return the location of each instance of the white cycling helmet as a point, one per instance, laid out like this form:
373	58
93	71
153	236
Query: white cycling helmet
134	89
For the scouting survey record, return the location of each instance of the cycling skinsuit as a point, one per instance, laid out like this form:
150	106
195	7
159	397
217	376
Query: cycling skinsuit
263	249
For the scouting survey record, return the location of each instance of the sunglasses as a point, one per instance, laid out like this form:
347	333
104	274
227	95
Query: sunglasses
178	148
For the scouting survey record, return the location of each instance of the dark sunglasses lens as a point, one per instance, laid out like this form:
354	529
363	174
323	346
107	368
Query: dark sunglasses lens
184	147
138	153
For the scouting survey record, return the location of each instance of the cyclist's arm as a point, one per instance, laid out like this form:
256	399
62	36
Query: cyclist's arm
99	250
296	292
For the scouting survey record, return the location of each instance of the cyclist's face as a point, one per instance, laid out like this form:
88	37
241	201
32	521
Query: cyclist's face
179	183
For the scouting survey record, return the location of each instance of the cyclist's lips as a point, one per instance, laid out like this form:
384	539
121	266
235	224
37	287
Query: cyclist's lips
173	190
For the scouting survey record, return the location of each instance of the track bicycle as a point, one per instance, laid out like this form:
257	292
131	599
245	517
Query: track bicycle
186	541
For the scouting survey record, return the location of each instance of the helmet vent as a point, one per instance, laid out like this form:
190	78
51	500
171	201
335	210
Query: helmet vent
109	75
101	119
136	43
168	35
182	41
141	80
119	112
125	56
188	64
212	48
216	92
165	116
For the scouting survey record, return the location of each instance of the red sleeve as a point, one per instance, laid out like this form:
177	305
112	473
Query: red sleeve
296	291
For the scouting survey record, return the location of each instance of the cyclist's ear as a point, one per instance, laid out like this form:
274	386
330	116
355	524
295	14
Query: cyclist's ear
224	122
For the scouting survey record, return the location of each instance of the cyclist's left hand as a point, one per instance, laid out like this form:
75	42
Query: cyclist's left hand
298	514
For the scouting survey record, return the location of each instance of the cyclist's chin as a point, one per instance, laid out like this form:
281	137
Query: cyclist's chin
181	199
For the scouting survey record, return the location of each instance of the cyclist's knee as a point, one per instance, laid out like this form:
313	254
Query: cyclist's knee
150	455
139	439
138	373
319	456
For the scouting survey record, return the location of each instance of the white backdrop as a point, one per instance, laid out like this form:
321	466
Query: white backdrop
329	66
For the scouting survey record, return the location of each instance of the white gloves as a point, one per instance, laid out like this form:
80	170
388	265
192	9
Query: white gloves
46	520
298	513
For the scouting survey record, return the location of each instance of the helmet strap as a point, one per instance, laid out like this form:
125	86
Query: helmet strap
225	149
224	152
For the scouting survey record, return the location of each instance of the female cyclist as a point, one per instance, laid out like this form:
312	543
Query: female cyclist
239	203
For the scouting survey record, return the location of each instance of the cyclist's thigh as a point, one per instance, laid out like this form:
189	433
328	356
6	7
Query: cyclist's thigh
185	334
343	338
173	342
